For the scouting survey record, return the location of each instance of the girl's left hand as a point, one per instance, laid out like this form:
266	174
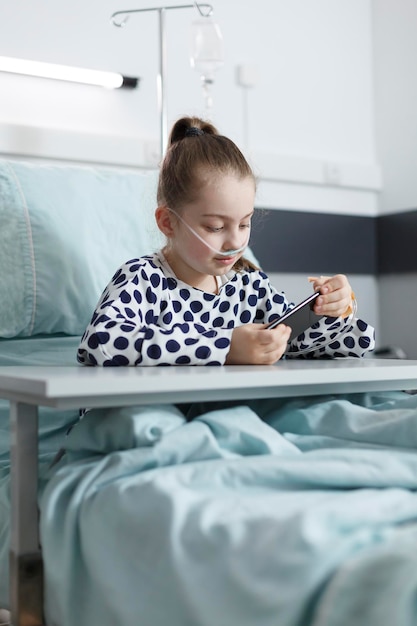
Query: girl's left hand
336	295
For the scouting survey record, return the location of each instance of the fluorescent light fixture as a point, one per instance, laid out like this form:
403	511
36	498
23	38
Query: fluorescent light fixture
110	80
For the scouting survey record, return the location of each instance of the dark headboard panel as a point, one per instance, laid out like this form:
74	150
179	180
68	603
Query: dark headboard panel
397	243
303	241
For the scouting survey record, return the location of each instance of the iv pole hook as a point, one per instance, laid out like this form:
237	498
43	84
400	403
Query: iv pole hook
161	82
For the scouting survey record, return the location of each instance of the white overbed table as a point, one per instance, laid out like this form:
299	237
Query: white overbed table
27	388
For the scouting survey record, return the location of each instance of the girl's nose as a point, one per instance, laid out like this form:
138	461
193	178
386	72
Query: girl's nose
235	241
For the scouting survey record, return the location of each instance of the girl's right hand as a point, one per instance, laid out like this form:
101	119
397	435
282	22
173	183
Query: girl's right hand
254	344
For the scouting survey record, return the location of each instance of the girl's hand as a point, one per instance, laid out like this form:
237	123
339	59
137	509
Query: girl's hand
336	295
254	344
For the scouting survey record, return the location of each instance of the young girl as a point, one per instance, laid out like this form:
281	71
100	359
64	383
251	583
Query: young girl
198	301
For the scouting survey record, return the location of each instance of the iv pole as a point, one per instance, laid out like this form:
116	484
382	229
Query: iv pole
119	18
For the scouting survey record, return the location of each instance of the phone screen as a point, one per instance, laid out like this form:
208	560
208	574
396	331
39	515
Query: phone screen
300	317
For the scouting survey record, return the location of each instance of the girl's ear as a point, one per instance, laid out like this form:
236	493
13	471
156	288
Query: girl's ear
164	220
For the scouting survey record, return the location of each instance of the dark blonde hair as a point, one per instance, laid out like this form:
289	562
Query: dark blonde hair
195	152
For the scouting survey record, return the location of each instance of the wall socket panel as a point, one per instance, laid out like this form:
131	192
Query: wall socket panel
152	154
332	173
247	75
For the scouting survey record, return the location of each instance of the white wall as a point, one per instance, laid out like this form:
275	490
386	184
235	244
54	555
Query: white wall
314	96
395	77
309	118
395	54
398	306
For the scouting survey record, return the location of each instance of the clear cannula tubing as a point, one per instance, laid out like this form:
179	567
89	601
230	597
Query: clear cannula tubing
225	253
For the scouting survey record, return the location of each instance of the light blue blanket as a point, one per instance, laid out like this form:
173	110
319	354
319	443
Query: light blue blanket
279	513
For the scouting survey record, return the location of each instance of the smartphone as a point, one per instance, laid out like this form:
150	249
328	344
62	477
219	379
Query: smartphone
300	317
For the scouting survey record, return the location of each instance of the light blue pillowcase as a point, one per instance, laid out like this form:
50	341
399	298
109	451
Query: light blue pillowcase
64	230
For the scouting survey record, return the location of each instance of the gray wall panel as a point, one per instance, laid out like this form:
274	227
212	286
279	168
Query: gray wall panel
301	241
397	243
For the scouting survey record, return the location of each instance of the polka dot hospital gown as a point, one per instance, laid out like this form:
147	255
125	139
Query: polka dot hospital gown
146	316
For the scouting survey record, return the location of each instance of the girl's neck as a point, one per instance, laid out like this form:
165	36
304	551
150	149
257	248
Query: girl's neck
204	282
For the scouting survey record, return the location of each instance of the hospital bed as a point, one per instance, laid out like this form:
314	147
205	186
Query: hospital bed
290	499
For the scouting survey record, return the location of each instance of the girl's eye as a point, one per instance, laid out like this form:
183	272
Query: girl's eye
218	229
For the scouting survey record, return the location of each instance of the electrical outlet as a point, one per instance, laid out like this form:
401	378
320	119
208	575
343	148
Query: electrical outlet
246	75
332	173
152	153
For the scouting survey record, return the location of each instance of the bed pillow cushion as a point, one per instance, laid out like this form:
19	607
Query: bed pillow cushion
64	231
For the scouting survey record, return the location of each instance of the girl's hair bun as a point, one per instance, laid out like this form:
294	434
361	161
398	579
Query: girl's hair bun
190	127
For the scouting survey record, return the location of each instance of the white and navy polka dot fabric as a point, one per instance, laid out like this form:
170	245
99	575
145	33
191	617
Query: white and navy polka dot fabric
146	316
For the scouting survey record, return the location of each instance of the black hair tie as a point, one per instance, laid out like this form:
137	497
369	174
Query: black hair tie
193	131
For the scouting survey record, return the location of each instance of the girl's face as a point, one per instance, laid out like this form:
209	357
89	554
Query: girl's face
222	217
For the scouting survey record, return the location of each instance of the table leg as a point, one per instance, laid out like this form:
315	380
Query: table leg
26	573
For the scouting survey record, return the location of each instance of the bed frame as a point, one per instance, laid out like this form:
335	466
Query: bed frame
27	388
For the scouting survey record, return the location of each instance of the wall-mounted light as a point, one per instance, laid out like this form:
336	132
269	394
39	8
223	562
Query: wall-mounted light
110	80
